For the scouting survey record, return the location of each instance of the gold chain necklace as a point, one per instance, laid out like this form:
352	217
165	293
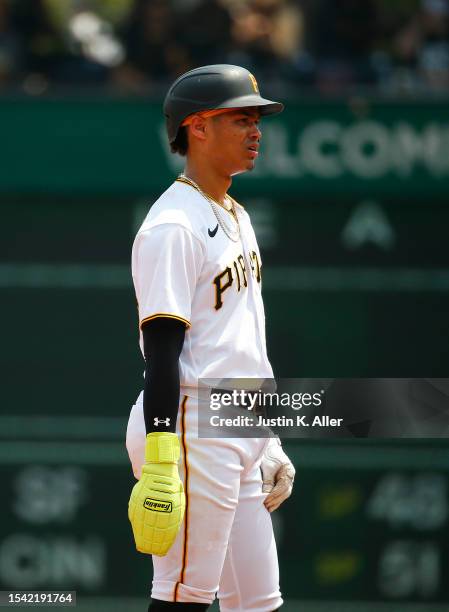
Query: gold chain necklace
232	233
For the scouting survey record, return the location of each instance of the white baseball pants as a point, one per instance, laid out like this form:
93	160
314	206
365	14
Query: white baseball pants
226	543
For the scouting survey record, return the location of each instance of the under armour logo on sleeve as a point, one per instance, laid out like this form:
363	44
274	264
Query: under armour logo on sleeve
157	421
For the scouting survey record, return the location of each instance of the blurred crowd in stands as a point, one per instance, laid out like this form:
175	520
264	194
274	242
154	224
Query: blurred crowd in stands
394	46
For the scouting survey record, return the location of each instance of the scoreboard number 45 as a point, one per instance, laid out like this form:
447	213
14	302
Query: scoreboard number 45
413	506
418	501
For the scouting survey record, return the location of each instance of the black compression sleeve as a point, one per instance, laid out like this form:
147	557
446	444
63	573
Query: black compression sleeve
162	341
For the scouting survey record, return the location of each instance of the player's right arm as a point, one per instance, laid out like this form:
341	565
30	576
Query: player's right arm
163	339
157	503
167	260
166	264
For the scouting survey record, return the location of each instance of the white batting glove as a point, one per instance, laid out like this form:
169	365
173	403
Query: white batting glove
278	475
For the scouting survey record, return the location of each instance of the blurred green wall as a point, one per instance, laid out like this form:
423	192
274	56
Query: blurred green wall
350	205
358	146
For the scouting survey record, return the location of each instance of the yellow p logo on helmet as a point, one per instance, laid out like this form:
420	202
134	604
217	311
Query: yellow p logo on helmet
254	83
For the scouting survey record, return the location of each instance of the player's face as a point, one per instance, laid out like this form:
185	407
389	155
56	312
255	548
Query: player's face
233	140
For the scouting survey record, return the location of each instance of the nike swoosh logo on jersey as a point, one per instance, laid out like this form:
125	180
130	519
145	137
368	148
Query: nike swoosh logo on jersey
212	232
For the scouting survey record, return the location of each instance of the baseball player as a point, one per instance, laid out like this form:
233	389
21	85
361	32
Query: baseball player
202	505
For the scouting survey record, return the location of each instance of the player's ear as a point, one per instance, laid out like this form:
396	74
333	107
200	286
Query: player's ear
198	127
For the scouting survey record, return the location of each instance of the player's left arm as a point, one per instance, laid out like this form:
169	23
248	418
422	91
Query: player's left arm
278	475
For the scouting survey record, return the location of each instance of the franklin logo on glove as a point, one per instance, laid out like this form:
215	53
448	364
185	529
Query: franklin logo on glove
154	504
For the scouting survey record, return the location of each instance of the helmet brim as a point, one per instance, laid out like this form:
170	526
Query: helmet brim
266	107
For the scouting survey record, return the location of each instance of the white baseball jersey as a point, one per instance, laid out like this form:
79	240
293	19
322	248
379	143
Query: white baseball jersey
184	266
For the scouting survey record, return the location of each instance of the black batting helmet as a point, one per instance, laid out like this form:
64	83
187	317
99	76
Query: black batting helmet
213	87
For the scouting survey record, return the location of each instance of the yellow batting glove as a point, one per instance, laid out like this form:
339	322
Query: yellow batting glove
157	502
